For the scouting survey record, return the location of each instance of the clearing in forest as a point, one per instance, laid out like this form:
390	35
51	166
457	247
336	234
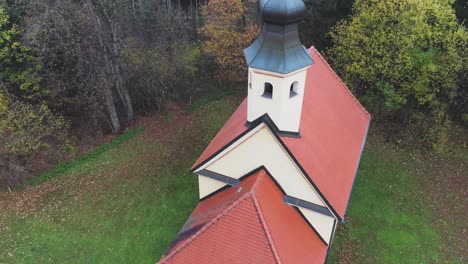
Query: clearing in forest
125	201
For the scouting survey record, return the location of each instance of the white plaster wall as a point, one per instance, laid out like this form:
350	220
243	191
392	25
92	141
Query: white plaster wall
322	223
262	148
284	110
207	185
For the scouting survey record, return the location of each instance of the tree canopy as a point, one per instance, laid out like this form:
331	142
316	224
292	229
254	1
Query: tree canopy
403	56
226	33
26	123
18	67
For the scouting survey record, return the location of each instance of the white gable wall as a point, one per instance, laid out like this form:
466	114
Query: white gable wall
261	148
207	185
322	223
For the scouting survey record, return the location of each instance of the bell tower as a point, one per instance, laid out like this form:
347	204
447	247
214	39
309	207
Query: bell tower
277	65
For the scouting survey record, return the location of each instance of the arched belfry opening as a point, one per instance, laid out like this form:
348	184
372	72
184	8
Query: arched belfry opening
294	89
268	90
277	63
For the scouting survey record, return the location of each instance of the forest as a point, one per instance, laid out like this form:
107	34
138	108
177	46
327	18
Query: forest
106	104
72	71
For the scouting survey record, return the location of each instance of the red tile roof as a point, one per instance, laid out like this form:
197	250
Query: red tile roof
249	223
333	130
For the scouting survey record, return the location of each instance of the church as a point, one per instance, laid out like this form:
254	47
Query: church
276	180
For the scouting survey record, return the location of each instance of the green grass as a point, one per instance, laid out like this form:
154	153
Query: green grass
125	201
215	94
390	219
141	196
129	223
69	167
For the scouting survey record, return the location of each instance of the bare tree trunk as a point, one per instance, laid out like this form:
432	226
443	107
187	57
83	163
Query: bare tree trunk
196	15
117	66
169	7
109	69
115	123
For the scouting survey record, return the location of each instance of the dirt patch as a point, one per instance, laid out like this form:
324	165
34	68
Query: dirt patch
348	249
347	253
446	180
27	201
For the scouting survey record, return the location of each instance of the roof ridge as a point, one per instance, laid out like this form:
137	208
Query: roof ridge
258	180
348	92
266	229
206	227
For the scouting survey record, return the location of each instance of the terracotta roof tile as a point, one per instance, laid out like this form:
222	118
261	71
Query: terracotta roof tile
333	130
294	239
253	226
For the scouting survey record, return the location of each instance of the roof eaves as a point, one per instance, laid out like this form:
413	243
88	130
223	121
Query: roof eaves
331	242
219	177
355	174
307	205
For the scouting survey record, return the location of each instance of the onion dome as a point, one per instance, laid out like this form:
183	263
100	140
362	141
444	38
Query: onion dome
282	12
278	47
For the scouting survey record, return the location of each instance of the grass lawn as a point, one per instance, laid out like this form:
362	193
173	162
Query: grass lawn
125	201
391	217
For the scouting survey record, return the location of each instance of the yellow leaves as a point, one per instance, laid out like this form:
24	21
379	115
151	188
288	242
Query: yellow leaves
223	13
19	68
3	103
402	52
25	128
225	36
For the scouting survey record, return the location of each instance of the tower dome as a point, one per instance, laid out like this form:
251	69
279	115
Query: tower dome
278	48
282	12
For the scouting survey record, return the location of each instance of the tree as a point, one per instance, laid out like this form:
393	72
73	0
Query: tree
225	35
403	58
321	16
18	68
27	126
105	61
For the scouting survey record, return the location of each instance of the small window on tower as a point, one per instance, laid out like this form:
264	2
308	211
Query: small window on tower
268	90
294	89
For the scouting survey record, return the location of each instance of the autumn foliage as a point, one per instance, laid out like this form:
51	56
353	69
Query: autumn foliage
225	35
403	58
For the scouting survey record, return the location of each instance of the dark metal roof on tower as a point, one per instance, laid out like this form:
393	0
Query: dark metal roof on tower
278	47
282	12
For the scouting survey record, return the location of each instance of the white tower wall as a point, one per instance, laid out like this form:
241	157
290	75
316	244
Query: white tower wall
284	106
